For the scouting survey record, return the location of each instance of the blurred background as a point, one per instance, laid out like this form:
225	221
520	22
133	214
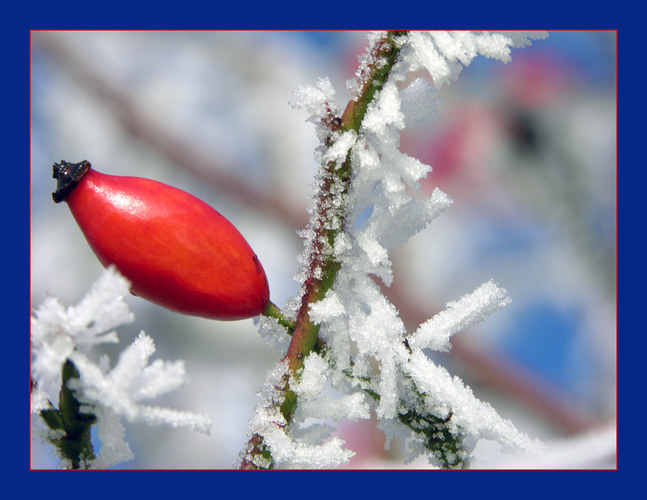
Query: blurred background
527	150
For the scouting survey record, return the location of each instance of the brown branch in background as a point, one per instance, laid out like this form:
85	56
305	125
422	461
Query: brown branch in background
498	373
165	143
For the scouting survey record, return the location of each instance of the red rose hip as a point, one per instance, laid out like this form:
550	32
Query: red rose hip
175	249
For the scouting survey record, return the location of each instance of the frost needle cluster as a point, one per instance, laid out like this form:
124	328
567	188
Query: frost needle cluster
63	337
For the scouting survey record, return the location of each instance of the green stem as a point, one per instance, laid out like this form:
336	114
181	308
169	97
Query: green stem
75	443
387	50
273	311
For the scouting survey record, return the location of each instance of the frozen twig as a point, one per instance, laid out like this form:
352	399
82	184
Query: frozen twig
368	348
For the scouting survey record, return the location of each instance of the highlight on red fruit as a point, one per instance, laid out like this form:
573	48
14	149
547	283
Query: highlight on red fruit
176	250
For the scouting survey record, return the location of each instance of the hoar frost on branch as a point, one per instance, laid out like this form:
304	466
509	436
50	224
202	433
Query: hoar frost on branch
61	339
368	358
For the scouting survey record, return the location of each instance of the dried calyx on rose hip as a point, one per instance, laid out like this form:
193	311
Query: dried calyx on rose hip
175	249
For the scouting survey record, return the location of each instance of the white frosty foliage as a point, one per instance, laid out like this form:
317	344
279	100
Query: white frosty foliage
444	53
382	176
133	381
315	99
369	351
338	151
60	334
313	404
273	333
291	454
56	331
292	446
467	412
114	448
318	101
458	316
384	113
313	377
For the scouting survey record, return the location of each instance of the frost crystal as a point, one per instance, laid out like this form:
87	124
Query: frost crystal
319	101
458	316
467	412
132	381
300	445
58	332
59	335
273	333
444	53
114	448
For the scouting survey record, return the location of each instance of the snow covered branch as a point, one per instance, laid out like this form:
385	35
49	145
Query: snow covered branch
369	356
